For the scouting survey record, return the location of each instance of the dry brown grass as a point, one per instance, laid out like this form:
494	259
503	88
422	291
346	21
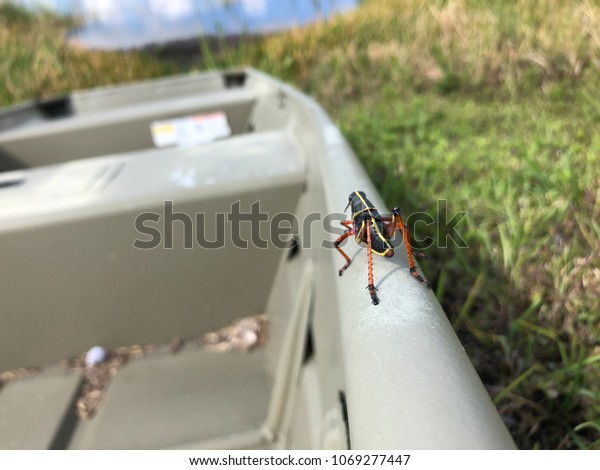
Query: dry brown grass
37	61
507	46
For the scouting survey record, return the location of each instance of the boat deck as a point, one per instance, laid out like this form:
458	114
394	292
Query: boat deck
164	401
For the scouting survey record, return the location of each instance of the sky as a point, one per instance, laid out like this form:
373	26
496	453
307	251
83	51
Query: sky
130	23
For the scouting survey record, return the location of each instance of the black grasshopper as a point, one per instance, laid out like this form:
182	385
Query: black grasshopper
375	230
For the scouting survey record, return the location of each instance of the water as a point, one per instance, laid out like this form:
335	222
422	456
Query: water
122	24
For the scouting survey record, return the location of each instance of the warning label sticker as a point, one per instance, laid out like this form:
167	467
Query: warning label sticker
190	130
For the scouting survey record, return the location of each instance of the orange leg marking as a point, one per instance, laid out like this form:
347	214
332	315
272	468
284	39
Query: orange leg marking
348	232
411	262
371	285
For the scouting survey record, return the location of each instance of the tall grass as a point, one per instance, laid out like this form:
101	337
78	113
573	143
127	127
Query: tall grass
492	106
36	59
510	47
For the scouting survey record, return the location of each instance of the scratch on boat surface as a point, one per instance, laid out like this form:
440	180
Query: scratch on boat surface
378	360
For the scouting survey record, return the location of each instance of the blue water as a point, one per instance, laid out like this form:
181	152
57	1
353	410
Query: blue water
117	24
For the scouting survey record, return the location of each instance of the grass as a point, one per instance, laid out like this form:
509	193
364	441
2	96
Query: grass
491	106
524	295
36	60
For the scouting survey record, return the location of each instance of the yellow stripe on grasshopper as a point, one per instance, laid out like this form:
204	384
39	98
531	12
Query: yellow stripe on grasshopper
387	250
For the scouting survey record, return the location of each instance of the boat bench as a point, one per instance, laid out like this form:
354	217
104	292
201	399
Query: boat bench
33	410
96	127
69	230
168	400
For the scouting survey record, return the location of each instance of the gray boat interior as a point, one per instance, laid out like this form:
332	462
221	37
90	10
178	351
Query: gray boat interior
102	245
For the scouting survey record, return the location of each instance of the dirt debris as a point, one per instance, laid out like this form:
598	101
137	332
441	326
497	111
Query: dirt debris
96	378
242	335
16	374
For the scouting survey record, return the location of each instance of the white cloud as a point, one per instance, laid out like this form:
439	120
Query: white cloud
254	7
117	11
120	11
172	9
105	11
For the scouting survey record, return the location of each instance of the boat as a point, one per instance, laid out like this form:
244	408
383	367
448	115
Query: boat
137	227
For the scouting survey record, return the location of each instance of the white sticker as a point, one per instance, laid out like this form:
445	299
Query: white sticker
190	130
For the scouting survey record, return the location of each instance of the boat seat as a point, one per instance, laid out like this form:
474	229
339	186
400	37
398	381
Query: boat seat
34	411
72	228
166	401
117	129
161	401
